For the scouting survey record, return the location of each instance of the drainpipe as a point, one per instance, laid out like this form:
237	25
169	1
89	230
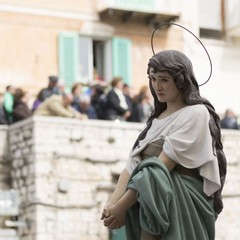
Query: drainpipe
223	20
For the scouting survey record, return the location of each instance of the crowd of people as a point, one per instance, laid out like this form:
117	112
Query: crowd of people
97	101
114	102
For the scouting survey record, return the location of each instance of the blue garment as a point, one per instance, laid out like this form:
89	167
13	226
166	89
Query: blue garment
229	123
90	112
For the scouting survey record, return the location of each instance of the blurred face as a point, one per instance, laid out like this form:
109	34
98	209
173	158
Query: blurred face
119	85
78	90
11	90
84	106
164	87
53	84
67	100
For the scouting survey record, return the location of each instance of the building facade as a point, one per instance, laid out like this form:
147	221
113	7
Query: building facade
81	41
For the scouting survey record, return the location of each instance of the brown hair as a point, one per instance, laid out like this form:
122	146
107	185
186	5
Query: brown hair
115	81
75	86
19	94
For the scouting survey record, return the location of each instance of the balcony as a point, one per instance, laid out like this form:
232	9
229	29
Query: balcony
138	11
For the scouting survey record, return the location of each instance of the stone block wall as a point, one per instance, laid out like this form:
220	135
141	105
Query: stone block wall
65	170
4	166
228	224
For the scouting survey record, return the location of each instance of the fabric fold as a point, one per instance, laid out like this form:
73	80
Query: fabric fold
170	205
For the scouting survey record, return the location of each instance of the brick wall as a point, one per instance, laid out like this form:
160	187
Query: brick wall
65	170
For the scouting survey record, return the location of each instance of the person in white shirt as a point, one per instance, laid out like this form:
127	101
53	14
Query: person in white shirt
177	159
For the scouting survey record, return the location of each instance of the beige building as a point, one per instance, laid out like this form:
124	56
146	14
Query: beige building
80	40
84	40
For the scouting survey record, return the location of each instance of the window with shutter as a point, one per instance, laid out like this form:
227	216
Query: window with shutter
121	55
81	56
68	58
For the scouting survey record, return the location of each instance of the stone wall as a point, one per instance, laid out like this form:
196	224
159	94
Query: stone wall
4	164
65	170
228	224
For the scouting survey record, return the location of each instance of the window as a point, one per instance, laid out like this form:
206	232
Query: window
83	58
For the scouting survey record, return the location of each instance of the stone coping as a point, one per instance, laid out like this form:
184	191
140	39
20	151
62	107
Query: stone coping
76	122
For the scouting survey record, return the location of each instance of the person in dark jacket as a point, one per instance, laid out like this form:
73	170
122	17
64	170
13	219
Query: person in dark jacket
116	104
20	109
229	121
98	101
51	89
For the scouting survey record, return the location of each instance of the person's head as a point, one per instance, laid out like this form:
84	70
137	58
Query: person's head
97	90
177	67
145	93
76	89
20	95
117	82
52	81
10	89
230	113
67	99
84	102
144	90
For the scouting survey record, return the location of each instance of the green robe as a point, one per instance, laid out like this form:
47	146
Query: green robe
169	204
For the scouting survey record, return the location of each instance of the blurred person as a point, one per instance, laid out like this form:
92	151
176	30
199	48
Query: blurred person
76	92
229	121
98	101
59	106
8	100
142	105
3	119
39	99
21	110
51	89
116	104
128	93
85	107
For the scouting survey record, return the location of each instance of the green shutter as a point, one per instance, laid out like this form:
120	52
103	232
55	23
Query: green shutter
68	58
136	4
122	59
118	234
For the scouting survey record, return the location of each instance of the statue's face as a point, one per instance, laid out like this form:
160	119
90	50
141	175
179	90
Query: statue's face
164	87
